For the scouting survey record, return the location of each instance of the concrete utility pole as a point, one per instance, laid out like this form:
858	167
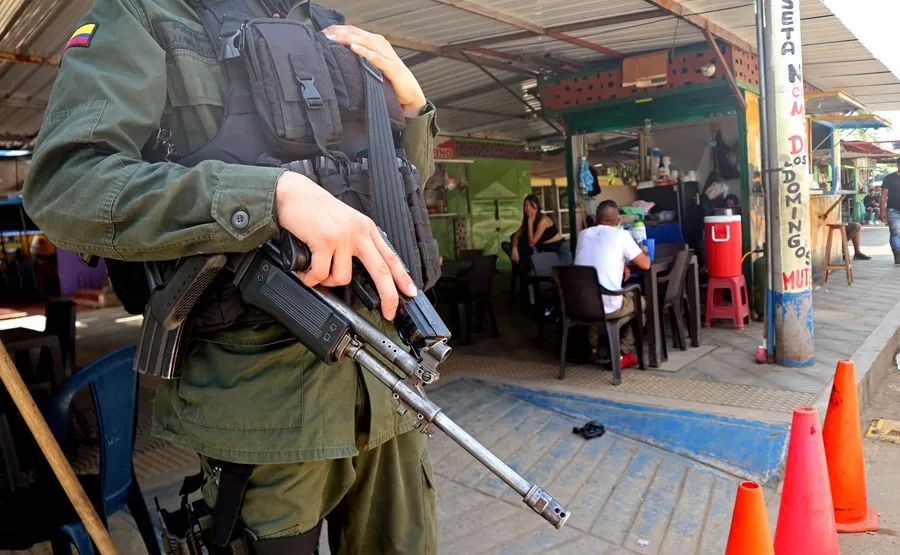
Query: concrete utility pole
789	176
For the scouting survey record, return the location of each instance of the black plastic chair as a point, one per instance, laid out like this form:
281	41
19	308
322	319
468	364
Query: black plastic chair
516	277
581	304
469	254
668	250
674	300
543	288
42	512
474	292
565	254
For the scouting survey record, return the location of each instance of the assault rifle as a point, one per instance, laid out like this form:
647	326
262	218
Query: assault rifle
332	330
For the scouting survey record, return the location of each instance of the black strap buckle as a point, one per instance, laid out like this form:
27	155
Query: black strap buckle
310	92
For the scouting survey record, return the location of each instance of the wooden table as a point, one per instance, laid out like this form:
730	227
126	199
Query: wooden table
654	316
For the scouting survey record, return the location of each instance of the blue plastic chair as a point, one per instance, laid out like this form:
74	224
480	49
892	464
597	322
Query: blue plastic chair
42	512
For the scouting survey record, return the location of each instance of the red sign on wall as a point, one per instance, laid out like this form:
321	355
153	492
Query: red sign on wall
445	150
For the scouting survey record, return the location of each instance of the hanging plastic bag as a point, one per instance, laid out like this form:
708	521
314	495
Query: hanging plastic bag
587	182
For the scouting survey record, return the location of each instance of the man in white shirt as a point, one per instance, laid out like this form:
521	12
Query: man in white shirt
608	248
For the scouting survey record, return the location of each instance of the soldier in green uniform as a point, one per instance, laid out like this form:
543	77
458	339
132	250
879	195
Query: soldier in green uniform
325	440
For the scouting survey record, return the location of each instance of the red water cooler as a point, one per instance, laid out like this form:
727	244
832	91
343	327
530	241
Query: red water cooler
724	243
723	246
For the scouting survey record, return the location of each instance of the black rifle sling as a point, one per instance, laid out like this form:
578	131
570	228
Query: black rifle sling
388	192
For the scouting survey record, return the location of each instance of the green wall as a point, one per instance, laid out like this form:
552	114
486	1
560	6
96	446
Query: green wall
492	205
457	203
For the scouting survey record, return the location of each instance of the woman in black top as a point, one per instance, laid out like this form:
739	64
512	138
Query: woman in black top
537	233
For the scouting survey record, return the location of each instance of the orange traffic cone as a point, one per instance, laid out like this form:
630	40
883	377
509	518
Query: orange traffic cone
844	452
806	515
749	524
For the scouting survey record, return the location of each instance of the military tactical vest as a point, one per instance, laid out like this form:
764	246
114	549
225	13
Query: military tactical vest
296	99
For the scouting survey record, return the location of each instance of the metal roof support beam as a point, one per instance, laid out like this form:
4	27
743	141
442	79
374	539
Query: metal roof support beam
418	58
581	25
729	76
28	58
455	97
436	51
547	61
586	44
514	93
471	7
492	113
22	104
700	22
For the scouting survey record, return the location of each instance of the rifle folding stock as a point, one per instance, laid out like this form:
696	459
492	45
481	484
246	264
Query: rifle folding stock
333	331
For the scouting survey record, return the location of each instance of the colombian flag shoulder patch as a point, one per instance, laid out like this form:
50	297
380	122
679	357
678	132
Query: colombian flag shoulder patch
82	36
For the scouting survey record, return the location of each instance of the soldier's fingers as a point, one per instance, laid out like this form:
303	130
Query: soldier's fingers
341	268
398	271
320	267
381	274
349	36
377	59
343	30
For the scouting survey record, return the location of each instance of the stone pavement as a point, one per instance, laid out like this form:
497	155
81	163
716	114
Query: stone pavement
624	496
882	463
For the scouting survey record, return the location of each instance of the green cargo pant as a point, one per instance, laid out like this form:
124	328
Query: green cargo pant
379	502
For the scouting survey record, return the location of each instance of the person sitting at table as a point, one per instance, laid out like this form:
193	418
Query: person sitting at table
537	233
609	249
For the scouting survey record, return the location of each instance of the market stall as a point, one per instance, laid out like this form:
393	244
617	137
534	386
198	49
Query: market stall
698	141
835	191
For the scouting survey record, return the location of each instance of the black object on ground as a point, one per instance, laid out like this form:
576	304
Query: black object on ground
590	430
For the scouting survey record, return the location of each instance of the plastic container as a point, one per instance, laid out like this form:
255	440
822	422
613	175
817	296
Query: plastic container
651	248
639	232
723	246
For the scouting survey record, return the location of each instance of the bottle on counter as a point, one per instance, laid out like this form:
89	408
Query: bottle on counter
638	232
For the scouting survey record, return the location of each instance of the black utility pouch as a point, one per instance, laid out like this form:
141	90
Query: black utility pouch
346	74
346	181
292	87
428	247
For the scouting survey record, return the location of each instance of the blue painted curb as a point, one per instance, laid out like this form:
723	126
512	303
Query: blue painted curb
751	449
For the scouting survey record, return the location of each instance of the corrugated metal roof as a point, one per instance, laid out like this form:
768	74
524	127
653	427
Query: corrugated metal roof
420	20
884	78
833	58
471	102
627	38
847	70
441	77
644	36
549	13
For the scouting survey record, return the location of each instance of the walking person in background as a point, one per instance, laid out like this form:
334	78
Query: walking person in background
890	209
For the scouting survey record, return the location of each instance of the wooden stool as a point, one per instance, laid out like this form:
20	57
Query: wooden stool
846	265
716	307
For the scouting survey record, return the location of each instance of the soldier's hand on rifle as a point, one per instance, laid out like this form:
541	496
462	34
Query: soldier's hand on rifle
379	51
336	233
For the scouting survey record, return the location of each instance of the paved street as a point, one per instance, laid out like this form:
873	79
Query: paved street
625	496
883	477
